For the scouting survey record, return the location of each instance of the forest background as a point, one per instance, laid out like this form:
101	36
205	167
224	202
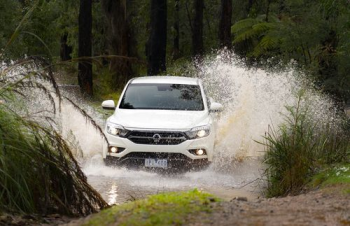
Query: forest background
104	43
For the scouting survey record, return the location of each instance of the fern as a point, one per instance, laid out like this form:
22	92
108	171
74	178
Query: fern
263	27
266	44
260	34
243	25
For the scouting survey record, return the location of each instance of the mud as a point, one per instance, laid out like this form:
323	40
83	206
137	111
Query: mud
118	185
329	206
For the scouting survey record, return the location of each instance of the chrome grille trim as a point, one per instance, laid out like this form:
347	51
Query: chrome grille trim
166	137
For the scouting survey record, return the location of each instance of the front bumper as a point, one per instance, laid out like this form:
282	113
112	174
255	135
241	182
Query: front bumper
174	160
178	152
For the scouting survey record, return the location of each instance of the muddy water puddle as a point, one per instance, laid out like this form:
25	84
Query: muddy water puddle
119	185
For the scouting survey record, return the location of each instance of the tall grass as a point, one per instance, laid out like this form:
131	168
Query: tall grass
38	173
299	147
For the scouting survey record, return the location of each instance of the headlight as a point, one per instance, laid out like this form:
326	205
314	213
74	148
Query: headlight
198	132
116	130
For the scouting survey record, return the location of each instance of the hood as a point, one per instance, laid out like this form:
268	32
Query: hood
159	119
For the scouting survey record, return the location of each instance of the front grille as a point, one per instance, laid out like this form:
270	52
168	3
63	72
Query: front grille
155	155
156	138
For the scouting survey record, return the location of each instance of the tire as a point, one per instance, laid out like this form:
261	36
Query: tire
201	166
109	161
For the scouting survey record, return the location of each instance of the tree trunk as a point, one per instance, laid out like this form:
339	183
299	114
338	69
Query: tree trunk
197	32
156	46
225	24
66	50
249	7
176	50
119	40
85	47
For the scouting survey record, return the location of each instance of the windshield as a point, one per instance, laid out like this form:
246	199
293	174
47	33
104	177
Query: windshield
163	97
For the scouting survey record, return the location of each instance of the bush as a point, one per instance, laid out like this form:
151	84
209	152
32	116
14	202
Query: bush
38	173
298	148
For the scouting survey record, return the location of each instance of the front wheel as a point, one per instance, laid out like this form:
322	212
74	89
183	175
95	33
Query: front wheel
109	161
201	166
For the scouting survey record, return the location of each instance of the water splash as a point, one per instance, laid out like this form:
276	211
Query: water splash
87	141
255	99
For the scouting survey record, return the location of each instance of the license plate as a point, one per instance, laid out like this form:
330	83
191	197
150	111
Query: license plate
159	163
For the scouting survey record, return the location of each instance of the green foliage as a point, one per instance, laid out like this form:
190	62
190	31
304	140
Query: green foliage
314	34
41	31
102	86
298	148
311	33
9	21
67	22
261	34
140	25
338	174
181	67
36	30
162	209
38	173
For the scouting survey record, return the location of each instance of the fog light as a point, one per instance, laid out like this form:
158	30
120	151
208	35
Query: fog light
114	149
199	152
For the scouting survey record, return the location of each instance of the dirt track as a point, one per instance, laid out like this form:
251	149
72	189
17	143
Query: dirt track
329	206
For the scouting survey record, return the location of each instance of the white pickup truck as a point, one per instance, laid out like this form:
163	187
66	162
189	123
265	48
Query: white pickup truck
161	122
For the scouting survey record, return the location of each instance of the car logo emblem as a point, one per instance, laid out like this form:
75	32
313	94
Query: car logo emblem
156	138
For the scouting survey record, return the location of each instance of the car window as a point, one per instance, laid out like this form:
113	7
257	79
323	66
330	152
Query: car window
163	97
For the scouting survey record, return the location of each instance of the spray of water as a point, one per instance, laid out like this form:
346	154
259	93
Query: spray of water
253	100
87	141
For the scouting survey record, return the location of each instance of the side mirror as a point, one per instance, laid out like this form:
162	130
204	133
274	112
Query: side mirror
108	105
216	107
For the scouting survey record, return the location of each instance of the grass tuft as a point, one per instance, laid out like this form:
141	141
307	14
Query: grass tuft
162	209
298	148
338	174
38	173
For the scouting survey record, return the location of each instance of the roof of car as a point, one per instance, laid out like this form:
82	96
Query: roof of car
166	80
